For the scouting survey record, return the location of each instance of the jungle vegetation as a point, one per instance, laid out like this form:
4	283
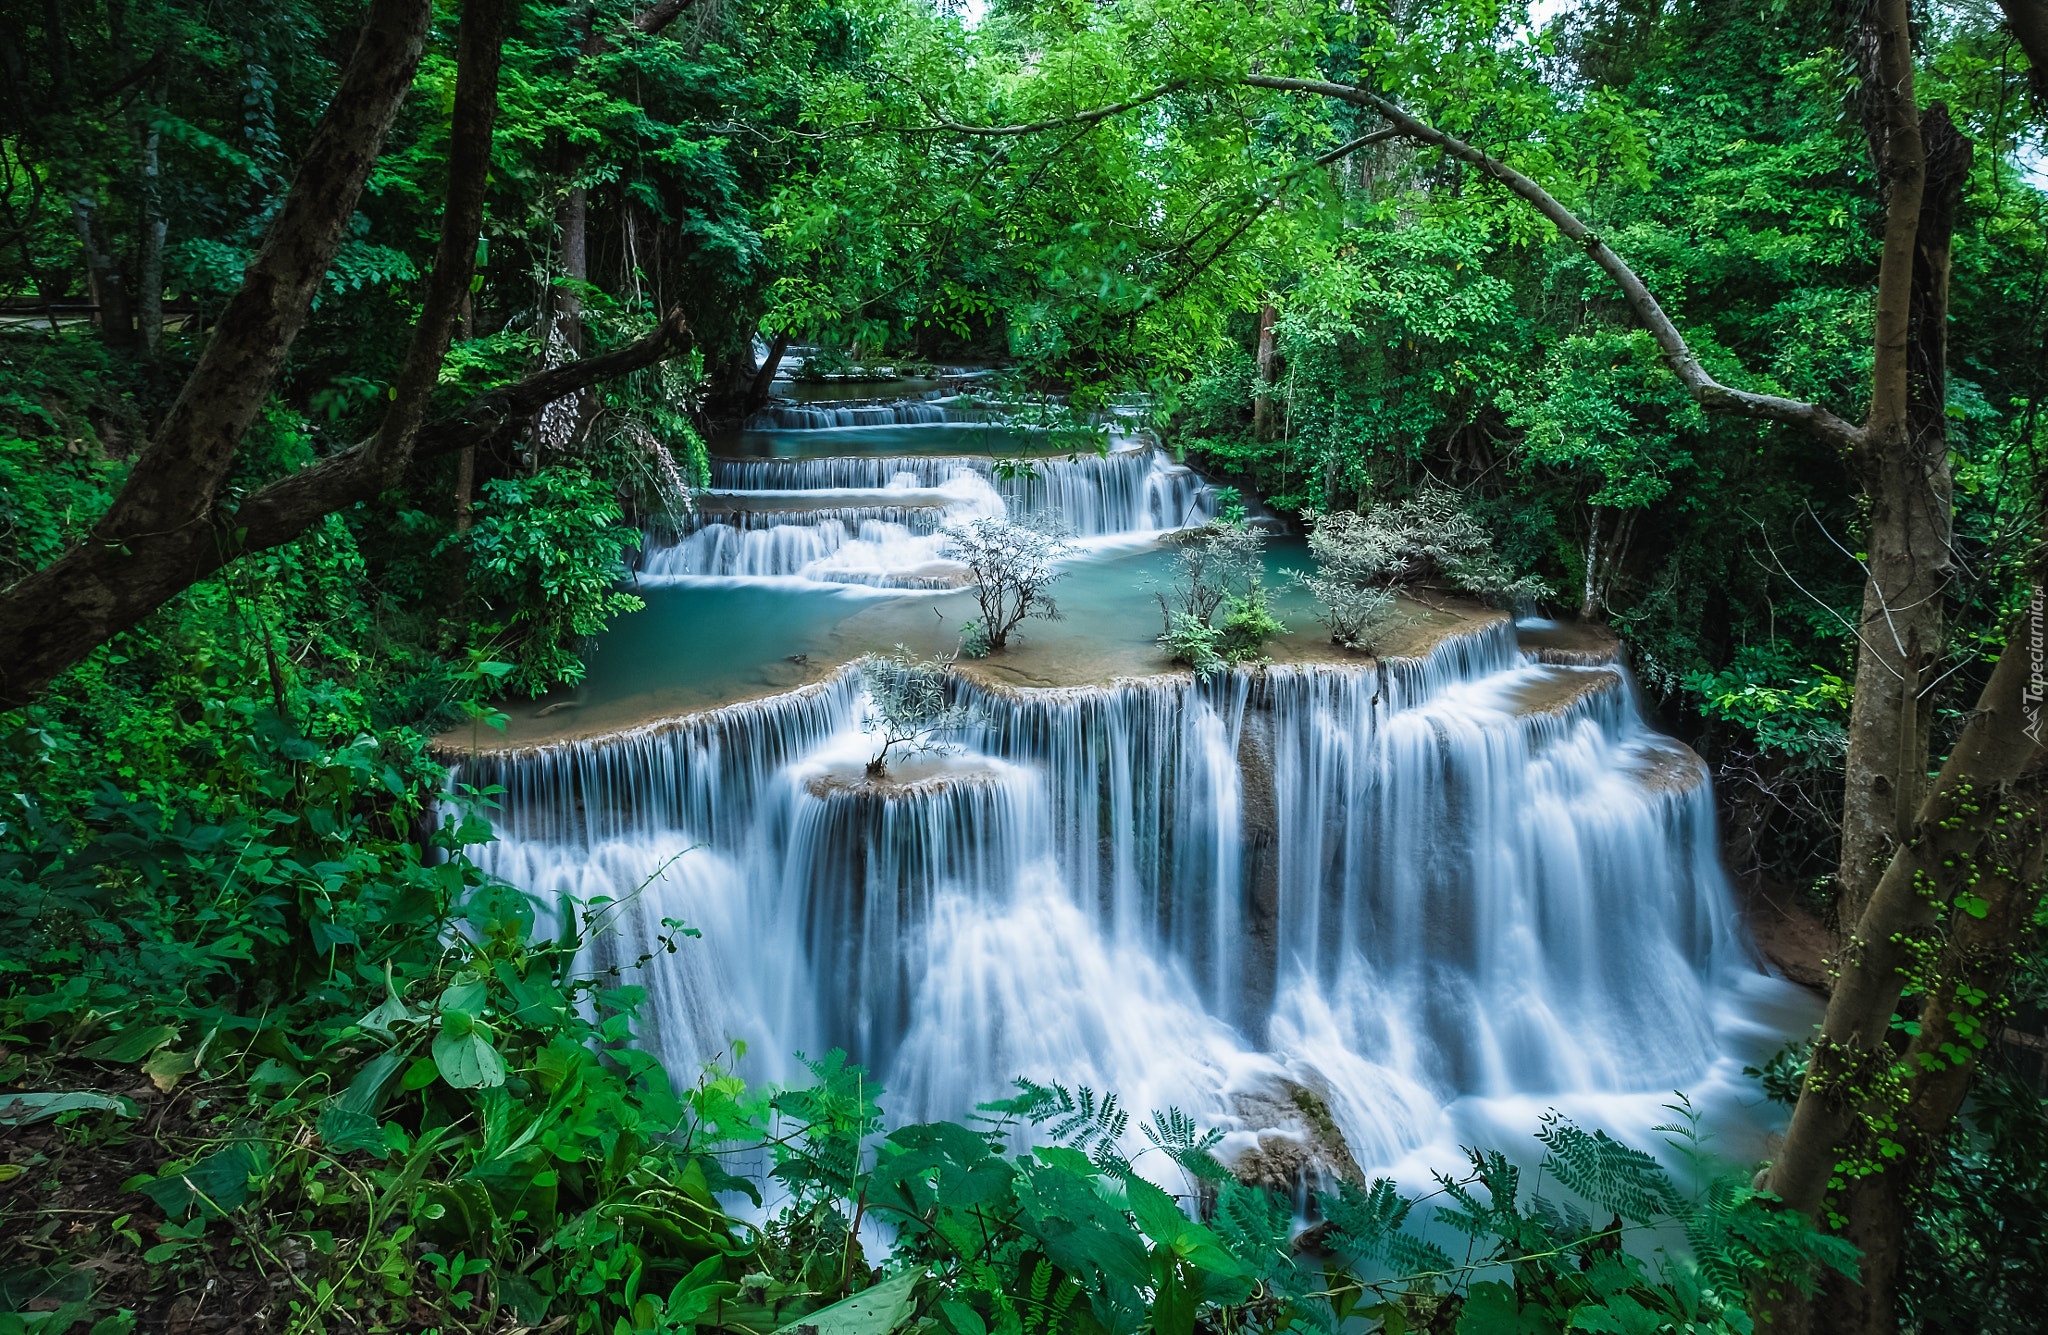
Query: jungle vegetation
347	350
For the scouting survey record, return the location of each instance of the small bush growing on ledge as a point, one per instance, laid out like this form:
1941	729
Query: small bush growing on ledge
547	554
1013	565
1215	609
1362	559
907	706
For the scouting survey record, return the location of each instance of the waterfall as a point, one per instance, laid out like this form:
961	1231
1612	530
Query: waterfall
936	406
876	520
1411	890
1404	883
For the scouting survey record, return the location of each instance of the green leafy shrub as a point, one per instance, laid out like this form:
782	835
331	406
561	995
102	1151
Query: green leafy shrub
546	555
1362	558
1215	609
1800	715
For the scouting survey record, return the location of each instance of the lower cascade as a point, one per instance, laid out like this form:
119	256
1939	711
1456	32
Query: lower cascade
1398	885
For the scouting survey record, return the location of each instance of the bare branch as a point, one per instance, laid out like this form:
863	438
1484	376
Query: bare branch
1710	393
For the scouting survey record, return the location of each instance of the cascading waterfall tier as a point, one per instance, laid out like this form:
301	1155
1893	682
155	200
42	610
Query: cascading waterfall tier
1399	884
879	521
936	406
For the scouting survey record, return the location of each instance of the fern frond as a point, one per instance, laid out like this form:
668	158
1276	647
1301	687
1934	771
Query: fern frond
1612	1176
1362	1221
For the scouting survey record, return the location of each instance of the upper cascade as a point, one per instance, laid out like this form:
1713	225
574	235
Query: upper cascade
848	516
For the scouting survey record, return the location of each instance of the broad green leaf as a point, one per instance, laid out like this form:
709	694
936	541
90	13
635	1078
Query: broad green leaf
23	1109
165	1068
215	1184
876	1311
130	1045
468	1061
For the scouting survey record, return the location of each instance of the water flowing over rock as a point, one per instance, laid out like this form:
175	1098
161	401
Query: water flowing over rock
1321	904
1399	883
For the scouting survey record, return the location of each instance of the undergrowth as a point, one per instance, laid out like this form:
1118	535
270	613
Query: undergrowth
300	1065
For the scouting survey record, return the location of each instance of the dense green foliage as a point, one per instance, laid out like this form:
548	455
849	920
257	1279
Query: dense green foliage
334	1071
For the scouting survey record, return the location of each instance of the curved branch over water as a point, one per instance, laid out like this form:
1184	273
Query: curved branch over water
1709	392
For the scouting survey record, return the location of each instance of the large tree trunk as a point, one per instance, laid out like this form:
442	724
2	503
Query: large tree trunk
1876	1207
52	618
1963	832
2028	20
1904	471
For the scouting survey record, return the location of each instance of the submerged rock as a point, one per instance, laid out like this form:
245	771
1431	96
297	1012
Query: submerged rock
1298	1145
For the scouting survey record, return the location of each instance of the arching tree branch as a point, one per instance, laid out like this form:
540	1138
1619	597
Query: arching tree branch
1710	393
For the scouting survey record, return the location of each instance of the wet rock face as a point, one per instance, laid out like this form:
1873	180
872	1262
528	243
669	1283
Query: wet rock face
1299	1147
1571	644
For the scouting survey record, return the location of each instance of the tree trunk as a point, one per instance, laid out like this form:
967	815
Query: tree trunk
764	377
1589	604
102	276
1901	635
50	619
149	263
1960	1017
2028	20
1269	372
1965	830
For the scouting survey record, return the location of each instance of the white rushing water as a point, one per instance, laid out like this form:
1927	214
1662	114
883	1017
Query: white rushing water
1401	888
1442	894
876	520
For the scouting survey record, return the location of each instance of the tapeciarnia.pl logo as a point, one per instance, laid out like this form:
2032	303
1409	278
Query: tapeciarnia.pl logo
2036	689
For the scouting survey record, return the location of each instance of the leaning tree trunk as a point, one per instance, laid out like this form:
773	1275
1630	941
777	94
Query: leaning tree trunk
1875	1208
52	618
1979	820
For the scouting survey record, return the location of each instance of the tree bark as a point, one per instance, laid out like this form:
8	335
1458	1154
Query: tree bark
1960	1017
764	376
53	617
1268	372
102	275
1970	809
149	262
1903	468
117	589
563	339
2028	20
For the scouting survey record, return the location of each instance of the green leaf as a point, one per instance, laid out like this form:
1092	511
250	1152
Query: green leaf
165	1067
876	1311
130	1045
467	1060
365	1093
528	1303
344	1129
1491	1309
214	1185
23	1109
